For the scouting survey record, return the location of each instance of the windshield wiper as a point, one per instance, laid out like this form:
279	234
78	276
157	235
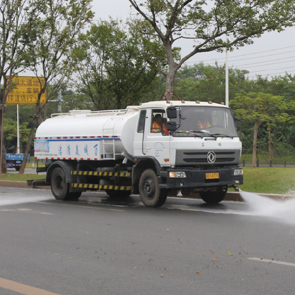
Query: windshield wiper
195	133
220	135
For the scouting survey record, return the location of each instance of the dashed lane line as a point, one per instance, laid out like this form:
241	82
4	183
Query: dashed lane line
272	261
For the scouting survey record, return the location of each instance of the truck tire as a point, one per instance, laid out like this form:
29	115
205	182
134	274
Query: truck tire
59	187
118	194
213	197
17	168
150	193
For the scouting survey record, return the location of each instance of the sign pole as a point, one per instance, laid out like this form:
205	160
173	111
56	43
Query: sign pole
17	120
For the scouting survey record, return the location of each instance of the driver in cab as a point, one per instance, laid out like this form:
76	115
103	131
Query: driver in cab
203	121
158	125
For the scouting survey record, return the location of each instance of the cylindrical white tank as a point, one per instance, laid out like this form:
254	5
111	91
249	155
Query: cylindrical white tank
87	135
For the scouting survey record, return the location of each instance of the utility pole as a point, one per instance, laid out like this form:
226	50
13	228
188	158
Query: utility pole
59	101
226	80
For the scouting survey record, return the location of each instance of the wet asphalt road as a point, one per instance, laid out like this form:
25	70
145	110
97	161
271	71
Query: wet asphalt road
100	245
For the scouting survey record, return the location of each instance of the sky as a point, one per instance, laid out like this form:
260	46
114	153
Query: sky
271	55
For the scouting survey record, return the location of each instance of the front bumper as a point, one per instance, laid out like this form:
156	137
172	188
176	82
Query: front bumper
196	178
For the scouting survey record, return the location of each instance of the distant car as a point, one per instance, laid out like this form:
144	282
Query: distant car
14	160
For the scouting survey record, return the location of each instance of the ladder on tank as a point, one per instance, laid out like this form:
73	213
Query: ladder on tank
109	142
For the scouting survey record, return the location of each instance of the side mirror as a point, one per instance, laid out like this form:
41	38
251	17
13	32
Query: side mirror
171	113
171	126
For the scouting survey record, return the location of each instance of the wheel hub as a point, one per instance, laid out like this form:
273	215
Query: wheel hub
149	188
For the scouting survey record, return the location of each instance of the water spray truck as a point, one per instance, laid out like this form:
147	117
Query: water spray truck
122	153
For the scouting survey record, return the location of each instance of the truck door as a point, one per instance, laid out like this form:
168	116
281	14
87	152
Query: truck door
152	140
156	137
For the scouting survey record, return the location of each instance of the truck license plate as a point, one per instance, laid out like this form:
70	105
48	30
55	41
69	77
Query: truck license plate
212	175
18	162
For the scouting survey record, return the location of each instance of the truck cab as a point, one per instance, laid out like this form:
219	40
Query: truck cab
201	152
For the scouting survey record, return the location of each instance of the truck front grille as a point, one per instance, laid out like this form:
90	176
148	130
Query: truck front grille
189	157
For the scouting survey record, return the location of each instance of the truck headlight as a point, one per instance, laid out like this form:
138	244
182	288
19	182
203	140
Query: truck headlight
177	174
238	172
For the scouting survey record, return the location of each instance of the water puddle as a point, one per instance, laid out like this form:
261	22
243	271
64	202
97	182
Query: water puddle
10	196
21	200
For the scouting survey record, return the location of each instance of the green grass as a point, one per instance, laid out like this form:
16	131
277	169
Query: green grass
21	177
258	180
269	180
34	165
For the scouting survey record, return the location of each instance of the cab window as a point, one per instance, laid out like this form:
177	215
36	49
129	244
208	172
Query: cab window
158	124
141	121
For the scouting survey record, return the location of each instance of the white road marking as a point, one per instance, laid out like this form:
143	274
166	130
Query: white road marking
209	210
272	261
46	213
24	209
7	210
102	207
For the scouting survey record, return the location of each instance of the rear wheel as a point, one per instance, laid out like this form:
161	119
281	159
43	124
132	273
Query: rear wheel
59	187
213	197
150	193
17	168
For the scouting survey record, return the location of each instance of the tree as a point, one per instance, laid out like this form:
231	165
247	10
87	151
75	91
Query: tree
115	66
56	26
12	47
207	82
10	133
260	107
70	101
213	26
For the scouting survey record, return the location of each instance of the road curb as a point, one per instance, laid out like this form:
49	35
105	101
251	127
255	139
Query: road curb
19	184
230	196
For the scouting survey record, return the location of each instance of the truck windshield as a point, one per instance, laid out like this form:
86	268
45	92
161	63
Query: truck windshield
204	121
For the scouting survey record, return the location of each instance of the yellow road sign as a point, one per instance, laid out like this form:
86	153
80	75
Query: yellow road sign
25	90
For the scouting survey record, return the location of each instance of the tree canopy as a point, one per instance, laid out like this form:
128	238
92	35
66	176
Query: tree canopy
115	66
211	25
51	34
261	107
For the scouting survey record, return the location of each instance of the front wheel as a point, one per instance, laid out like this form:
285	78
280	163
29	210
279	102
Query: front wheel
150	193
213	197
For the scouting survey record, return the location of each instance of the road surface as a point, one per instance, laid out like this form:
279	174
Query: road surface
99	245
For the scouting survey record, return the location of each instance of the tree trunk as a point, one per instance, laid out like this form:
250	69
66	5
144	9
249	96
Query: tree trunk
172	69
170	77
269	145
3	166
254	156
274	141
30	139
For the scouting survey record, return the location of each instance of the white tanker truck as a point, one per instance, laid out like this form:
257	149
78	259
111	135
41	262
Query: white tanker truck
121	151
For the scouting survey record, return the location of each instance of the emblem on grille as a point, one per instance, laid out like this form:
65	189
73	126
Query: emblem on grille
211	157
